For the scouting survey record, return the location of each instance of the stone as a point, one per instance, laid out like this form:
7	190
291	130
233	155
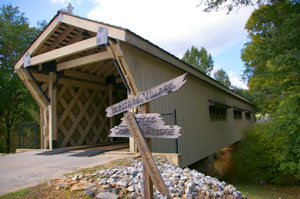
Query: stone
62	184
131	188
84	180
115	191
107	195
127	181
122	183
75	188
90	192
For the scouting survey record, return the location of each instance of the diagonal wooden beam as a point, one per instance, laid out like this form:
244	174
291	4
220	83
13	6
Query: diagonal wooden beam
64	51
93	26
61	37
92	119
79	117
35	46
33	88
84	60
118	54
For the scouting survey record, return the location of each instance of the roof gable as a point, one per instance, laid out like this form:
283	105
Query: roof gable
64	30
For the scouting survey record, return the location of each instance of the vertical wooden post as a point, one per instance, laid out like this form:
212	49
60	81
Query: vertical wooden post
46	128
52	112
42	130
148	184
111	102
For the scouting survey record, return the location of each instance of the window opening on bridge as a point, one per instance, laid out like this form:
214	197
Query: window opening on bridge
237	115
217	113
248	115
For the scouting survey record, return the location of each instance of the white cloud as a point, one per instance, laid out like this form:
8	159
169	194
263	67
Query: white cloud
175	25
236	80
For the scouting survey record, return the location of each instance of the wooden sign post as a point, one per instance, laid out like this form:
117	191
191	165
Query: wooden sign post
145	154
141	126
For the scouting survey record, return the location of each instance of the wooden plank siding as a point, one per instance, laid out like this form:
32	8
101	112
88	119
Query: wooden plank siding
200	136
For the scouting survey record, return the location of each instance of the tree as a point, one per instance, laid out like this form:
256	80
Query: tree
222	77
69	9
272	66
199	59
272	57
15	101
230	5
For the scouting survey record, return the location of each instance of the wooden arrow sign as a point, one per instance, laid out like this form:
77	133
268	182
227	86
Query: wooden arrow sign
146	96
145	154
149	119
167	131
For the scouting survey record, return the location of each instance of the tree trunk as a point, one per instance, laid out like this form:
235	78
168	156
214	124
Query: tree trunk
7	139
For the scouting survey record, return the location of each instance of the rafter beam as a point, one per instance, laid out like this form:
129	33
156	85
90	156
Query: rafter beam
84	76
85	60
71	82
114	32
64	51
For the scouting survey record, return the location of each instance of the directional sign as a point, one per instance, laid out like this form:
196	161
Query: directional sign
145	154
149	119
167	131
146	96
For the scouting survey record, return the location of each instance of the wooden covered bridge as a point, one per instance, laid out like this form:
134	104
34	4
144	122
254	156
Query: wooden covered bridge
74	77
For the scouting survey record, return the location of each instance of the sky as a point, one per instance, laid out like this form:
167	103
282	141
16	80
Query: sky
173	25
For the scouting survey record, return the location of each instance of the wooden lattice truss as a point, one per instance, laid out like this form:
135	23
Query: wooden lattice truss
73	80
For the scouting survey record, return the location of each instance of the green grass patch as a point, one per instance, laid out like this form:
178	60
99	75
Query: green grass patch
18	194
253	191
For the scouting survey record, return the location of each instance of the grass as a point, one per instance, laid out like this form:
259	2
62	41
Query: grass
18	194
269	191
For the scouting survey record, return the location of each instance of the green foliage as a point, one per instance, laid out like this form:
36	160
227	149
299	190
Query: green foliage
272	56
272	61
222	77
15	100
199	59
255	158
230	5
271	151
286	124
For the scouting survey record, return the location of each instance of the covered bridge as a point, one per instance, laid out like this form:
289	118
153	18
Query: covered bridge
73	79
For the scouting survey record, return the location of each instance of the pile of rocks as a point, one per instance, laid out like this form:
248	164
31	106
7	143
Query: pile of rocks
127	182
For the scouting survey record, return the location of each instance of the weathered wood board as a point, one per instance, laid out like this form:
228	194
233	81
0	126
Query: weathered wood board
166	131
146	96
145	154
149	119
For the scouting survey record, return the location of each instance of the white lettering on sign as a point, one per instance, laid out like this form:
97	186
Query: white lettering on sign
149	119
146	96
167	131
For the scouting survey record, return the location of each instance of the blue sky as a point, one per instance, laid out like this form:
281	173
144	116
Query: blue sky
174	25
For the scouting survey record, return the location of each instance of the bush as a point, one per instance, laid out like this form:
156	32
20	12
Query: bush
270	152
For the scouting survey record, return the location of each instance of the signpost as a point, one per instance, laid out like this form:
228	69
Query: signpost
146	96
151	125
145	154
141	126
